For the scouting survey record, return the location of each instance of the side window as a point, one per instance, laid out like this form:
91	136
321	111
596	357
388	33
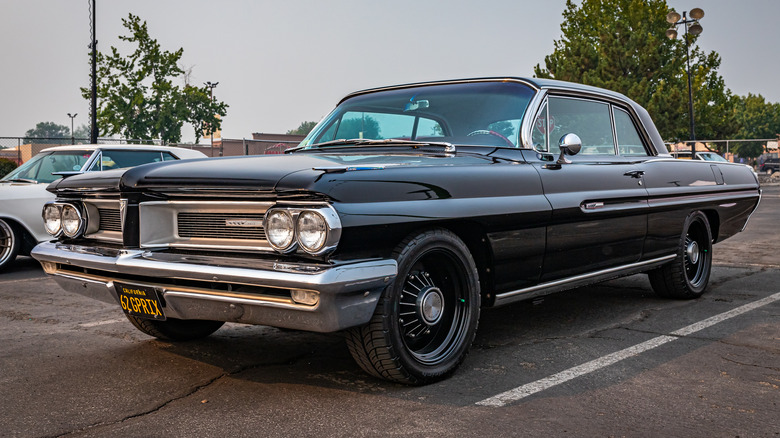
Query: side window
590	120
540	131
167	156
629	141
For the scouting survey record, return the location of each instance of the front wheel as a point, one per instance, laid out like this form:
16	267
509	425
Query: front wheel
175	329
9	244
688	274
426	320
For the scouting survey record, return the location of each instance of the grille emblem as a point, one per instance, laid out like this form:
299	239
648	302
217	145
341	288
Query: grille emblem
243	223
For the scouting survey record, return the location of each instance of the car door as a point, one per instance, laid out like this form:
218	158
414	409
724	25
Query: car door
599	202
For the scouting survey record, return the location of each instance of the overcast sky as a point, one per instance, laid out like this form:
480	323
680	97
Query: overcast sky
282	62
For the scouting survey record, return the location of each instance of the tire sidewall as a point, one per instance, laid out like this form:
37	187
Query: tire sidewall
15	243
407	258
692	219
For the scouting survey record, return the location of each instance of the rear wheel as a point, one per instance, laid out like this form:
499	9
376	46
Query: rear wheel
426	320
688	274
175	329
9	244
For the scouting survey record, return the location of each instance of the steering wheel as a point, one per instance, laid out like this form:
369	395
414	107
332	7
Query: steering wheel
493	133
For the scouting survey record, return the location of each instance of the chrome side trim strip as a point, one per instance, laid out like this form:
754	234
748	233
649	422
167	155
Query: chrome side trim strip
578	280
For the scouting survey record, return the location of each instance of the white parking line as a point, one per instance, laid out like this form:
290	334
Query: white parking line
572	373
97	323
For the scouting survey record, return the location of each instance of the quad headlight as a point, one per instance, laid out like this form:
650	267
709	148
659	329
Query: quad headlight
52	218
62	218
280	230
314	230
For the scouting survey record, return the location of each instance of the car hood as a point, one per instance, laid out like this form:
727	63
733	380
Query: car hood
300	171
22	191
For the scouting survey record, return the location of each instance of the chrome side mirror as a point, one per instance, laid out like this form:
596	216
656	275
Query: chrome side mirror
570	144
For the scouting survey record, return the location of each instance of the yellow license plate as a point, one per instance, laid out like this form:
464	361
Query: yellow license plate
141	301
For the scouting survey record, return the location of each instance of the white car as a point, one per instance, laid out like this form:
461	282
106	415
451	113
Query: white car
23	191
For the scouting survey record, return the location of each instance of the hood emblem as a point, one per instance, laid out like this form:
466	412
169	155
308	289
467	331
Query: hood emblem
243	223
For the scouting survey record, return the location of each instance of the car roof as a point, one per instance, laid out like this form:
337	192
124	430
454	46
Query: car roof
178	151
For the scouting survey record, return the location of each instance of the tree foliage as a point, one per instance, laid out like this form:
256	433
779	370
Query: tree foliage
303	129
137	96
756	118
621	45
47	133
6	166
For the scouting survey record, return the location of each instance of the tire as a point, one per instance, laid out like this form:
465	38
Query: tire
175	329
10	241
427	318
687	276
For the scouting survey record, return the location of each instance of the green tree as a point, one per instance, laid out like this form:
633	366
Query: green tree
47	133
756	118
303	129
6	166
137	97
82	132
621	45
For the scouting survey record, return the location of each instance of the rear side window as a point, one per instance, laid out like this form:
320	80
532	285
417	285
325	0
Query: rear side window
117	159
629	141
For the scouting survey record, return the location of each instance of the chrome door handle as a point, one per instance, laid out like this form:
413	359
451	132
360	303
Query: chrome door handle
635	173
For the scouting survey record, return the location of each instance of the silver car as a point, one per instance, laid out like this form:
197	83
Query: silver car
23	191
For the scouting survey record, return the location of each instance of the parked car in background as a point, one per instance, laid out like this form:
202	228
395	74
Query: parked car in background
23	191
402	214
770	166
704	156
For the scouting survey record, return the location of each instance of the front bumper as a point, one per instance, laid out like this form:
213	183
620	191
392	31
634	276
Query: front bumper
247	290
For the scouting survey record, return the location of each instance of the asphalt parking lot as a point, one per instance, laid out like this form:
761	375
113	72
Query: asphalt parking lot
607	360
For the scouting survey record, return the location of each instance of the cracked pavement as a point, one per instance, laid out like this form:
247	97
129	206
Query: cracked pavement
74	367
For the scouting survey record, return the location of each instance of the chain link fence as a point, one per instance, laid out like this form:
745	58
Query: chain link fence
21	149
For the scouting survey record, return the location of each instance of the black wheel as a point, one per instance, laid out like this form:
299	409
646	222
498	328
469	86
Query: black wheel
175	329
426	320
9	244
688	274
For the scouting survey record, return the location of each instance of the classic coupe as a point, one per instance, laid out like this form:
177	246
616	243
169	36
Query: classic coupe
403	213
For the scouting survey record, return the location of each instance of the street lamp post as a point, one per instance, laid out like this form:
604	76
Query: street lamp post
692	27
72	137
211	86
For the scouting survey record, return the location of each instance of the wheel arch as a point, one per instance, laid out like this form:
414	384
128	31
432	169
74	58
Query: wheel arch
714	219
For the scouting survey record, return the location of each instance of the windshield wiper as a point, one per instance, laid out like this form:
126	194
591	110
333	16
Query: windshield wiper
26	180
357	142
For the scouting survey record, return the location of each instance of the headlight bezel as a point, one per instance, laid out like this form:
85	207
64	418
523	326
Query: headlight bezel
61	208
328	216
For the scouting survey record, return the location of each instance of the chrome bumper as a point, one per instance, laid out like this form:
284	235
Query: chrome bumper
348	293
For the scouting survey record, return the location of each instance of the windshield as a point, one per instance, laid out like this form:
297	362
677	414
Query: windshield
477	113
40	167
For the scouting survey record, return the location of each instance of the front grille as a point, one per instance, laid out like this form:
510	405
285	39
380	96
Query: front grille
110	220
220	225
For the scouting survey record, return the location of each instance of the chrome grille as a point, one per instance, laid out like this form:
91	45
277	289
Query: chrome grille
220	225
110	220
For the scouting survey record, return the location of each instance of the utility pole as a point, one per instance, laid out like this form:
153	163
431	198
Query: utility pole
94	131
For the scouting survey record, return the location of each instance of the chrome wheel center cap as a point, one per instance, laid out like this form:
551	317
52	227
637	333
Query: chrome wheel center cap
693	252
430	305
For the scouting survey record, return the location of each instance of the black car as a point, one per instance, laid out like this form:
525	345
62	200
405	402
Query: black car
402	214
770	166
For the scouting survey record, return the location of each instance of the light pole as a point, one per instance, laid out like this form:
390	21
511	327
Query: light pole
72	137
692	27
212	86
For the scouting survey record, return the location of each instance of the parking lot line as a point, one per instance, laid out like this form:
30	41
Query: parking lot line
572	373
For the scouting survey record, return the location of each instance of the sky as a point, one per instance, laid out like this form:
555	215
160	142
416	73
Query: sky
279	63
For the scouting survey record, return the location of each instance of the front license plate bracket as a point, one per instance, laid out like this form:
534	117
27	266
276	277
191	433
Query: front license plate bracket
140	301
